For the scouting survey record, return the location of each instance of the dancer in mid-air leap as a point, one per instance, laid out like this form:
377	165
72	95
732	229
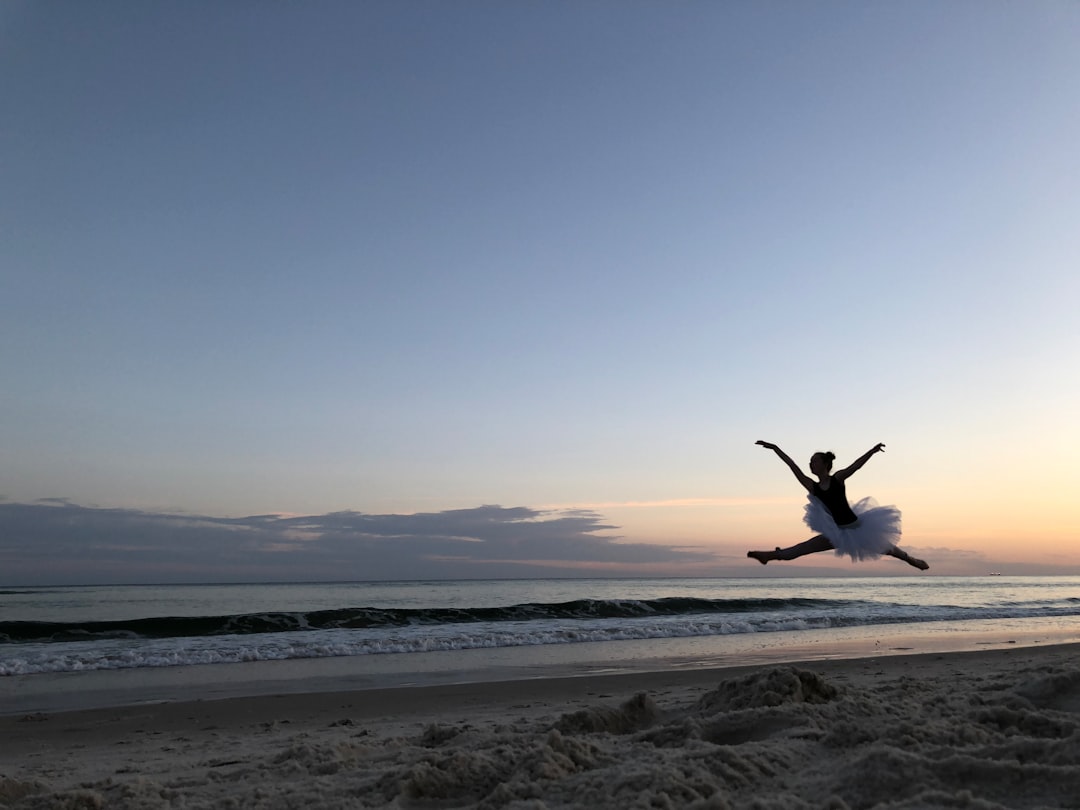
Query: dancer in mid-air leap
864	532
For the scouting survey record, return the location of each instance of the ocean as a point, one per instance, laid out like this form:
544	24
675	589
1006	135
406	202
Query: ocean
84	629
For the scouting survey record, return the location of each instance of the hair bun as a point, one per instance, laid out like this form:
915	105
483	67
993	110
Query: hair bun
830	455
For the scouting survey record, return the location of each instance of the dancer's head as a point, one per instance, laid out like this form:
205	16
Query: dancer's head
821	463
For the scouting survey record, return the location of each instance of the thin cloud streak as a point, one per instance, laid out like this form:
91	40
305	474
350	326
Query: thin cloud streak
672	503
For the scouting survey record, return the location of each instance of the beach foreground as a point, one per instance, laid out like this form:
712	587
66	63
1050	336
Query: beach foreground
985	729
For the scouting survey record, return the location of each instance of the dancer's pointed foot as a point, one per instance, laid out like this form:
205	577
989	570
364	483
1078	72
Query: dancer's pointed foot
763	557
915	562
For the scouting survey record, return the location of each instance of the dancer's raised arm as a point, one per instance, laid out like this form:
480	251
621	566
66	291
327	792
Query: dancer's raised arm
857	463
805	480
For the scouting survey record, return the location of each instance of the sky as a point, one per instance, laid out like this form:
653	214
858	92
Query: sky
416	289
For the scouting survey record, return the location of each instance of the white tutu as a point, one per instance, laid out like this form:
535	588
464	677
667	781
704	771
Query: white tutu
876	531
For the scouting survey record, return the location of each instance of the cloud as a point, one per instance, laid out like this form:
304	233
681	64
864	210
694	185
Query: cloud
59	542
679	503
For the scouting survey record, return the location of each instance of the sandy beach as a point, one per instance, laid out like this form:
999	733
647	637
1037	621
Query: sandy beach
985	729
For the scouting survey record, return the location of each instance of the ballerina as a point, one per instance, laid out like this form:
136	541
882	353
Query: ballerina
864	532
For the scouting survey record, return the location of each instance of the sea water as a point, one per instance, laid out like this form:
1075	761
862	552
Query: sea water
85	629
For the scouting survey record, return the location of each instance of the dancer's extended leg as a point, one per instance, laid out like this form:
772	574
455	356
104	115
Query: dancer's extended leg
900	554
811	546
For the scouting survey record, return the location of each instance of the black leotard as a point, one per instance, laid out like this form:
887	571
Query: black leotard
835	500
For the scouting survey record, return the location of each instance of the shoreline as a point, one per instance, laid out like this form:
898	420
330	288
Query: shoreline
108	688
930	728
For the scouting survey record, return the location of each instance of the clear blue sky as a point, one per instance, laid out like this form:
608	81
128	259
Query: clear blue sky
410	257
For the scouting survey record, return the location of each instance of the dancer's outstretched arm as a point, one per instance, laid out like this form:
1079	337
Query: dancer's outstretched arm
857	464
804	479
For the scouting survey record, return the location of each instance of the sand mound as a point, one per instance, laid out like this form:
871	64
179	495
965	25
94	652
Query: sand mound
771	687
635	714
509	768
1059	691
12	790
